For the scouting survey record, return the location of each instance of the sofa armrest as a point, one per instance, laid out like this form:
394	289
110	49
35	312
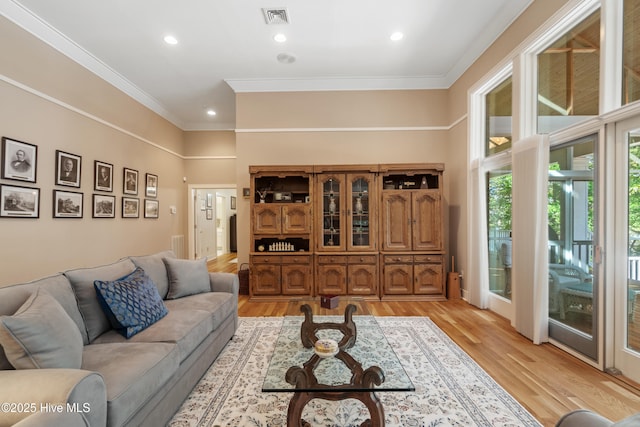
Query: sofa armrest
51	419
224	282
27	391
583	418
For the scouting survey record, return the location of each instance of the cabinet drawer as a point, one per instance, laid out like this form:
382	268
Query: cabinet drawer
266	259
362	259
332	259
422	259
296	259
398	259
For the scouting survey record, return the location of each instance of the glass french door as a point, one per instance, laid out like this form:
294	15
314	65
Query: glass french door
627	262
573	270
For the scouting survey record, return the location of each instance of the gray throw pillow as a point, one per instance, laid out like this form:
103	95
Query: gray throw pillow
187	277
41	335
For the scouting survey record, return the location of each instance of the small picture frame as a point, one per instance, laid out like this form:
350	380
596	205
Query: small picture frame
130	182
209	200
233	202
104	206
246	192
103	176
19	202
209	214
130	207
19	160
151	185
151	208
68	168
67	204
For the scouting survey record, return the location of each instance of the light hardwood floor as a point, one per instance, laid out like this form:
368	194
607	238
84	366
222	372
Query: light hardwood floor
544	379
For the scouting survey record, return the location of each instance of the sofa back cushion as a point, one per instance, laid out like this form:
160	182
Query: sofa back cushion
187	277
14	296
82	280
41	335
155	269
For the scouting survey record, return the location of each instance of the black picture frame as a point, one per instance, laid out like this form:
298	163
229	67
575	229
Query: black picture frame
246	192
68	169
151	208
19	202
130	207
151	185
104	206
19	160
68	204
102	176
130	181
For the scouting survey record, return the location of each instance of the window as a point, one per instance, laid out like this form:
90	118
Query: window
498	118
631	52
568	77
499	184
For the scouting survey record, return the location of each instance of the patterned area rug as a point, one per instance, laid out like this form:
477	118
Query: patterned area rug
451	389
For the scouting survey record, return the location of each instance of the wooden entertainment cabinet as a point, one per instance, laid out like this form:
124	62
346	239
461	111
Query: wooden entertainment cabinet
372	231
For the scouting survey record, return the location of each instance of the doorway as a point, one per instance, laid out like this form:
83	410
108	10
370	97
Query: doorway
573	268
211	210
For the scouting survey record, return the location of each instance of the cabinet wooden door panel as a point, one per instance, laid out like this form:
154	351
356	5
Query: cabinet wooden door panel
332	279
296	279
398	279
396	220
296	219
428	279
427	214
265	279
362	279
267	219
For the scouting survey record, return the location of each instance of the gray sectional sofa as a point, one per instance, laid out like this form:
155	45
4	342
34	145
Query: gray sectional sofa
64	345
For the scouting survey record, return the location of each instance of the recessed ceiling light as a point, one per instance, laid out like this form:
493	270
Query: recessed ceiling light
280	38
396	36
170	40
210	112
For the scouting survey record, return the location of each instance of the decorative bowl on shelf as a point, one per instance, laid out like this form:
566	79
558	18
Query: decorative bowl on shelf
326	347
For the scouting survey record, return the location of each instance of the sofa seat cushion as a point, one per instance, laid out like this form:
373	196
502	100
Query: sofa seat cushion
219	304
82	279
41	335
132	372
186	328
131	303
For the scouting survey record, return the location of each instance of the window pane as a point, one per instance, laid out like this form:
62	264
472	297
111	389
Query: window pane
633	270
499	182
498	120
631	52
568	77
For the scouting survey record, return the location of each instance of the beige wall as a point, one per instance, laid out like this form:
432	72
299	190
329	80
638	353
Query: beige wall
102	124
210	157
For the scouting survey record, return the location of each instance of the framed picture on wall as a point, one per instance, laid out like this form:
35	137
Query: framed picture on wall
151	208
151	185
67	204
19	202
68	169
209	214
103	176
130	181
19	160
130	207
233	202
104	206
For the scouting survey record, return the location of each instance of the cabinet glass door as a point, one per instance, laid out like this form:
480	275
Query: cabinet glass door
332	208
359	213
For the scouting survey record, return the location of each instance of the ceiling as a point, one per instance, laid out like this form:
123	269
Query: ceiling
226	46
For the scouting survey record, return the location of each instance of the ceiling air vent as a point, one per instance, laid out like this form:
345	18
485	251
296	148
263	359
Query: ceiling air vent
276	15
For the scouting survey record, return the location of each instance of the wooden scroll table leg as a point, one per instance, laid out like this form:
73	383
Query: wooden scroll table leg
309	327
369	399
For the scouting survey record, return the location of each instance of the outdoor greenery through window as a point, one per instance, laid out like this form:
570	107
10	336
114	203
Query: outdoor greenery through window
631	52
498	118
568	77
499	183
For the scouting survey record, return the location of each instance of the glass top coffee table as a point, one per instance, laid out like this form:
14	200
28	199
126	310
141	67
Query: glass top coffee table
364	364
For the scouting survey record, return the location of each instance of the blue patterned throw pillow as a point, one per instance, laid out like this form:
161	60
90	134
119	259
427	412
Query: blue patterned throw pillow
132	303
